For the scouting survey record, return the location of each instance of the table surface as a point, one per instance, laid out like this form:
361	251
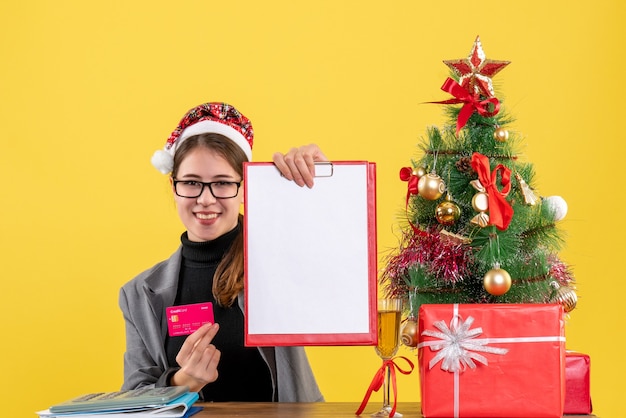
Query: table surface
305	410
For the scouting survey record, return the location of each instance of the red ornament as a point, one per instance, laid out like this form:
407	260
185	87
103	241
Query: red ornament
476	70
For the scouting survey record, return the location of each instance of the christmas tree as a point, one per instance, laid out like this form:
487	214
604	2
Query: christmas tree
474	230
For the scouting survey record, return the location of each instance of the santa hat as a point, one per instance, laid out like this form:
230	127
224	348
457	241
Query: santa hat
217	117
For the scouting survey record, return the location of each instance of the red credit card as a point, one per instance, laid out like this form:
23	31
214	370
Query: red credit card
185	319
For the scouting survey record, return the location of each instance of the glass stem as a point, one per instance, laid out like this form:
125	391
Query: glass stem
387	377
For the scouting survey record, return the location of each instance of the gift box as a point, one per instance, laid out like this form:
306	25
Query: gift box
492	360
577	383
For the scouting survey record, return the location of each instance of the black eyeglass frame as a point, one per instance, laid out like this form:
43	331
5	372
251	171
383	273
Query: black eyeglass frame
209	185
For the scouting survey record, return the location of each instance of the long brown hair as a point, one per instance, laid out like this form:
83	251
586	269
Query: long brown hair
228	279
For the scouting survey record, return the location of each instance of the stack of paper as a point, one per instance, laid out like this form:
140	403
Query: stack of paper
169	402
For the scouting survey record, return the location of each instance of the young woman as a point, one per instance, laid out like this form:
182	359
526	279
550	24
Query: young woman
204	156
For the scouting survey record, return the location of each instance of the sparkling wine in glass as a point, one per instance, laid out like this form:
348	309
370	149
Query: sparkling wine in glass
389	316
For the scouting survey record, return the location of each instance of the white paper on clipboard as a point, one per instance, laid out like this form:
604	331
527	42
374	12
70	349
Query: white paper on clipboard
310	256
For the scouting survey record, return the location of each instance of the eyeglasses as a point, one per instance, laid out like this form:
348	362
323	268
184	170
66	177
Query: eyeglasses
219	189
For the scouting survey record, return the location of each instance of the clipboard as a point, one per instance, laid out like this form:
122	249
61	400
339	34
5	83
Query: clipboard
310	256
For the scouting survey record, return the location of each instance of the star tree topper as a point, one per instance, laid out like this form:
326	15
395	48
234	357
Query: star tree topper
475	71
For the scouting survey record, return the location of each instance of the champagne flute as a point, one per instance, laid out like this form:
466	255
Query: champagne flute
389	316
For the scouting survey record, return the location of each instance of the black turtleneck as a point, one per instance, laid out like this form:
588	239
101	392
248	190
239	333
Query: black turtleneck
243	375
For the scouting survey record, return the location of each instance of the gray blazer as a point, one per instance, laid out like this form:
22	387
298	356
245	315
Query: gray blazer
143	301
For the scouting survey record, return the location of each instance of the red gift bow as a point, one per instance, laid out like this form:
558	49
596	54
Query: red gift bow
406	174
379	378
472	103
500	211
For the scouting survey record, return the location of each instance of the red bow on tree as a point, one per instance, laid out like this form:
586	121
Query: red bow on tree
471	102
500	211
406	174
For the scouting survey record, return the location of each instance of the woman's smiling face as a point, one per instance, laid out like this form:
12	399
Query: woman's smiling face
206	217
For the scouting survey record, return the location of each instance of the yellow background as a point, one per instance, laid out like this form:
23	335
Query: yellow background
88	90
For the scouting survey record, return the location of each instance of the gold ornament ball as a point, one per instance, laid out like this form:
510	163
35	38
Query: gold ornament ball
497	282
419	171
447	213
409	333
566	296
430	186
501	135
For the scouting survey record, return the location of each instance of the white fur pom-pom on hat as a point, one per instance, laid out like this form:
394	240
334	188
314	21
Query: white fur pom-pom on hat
216	117
163	161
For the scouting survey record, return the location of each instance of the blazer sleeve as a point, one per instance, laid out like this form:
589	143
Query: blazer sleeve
142	302
141	369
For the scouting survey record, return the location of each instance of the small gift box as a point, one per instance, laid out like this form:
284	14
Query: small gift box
577	379
492	360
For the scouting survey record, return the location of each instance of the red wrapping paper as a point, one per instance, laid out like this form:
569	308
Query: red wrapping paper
577	383
528	380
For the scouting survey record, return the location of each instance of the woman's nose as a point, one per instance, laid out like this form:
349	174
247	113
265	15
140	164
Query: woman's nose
206	197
